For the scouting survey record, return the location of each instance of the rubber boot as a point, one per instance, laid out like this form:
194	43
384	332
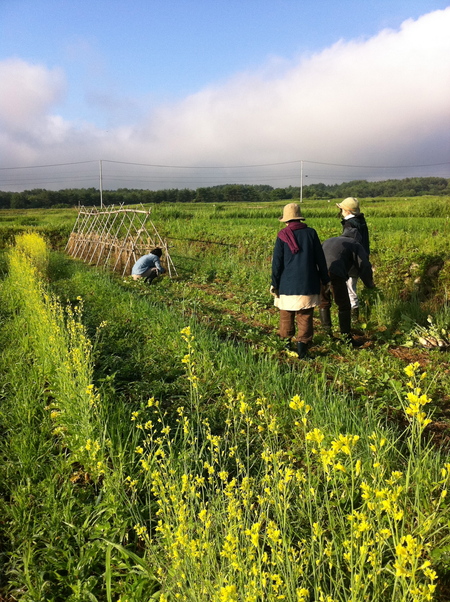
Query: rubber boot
302	350
345	323
325	318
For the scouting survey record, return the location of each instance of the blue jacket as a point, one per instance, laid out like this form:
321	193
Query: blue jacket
145	262
299	273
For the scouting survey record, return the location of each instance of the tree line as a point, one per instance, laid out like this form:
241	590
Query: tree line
227	193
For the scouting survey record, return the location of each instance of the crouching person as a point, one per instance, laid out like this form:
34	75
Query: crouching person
298	270
344	255
148	266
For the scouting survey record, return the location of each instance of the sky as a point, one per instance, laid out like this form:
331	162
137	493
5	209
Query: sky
187	93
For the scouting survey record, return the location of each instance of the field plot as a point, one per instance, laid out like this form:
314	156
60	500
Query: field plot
159	443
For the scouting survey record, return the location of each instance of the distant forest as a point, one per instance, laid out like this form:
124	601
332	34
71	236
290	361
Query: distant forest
228	193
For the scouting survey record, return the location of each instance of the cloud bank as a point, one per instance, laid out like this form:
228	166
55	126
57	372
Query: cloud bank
383	101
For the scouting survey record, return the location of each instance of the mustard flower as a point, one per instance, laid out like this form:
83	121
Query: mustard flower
316	436
412	369
302	594
228	594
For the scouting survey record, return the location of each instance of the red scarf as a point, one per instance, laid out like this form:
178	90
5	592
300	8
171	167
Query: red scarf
287	235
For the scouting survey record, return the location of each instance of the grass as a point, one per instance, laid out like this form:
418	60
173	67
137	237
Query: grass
197	460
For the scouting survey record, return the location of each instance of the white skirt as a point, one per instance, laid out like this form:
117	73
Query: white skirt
296	302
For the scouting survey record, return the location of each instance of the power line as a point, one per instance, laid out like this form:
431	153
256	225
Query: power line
203	166
379	166
232	166
52	165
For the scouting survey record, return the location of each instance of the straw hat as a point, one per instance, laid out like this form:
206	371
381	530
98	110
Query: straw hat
351	204
290	212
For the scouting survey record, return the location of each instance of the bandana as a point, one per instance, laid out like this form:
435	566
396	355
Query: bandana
287	235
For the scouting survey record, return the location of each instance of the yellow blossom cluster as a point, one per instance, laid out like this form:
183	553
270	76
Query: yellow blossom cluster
416	398
250	514
63	352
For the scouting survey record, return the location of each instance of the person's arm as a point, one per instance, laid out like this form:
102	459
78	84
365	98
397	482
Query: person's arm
159	267
364	267
321	262
277	263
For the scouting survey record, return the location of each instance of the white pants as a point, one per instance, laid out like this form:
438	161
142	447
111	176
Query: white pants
351	287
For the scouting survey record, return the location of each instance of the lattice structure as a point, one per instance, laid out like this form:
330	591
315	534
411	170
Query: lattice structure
115	237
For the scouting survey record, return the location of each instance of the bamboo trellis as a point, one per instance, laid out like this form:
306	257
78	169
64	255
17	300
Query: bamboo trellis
115	237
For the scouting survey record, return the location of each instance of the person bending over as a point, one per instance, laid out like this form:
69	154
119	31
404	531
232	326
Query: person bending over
344	254
148	266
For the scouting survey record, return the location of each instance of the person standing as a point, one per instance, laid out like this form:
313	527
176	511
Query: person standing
298	270
344	255
353	218
148	266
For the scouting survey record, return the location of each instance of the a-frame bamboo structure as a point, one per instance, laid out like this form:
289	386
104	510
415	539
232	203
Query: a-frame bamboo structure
115	237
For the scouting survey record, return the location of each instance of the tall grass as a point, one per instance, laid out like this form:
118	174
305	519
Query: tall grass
61	349
249	514
54	442
246	480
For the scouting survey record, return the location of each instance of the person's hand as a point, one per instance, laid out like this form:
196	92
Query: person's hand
326	288
274	292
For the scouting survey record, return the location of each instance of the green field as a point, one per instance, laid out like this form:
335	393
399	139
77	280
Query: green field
159	443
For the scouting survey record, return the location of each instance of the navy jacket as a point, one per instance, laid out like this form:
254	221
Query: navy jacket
345	254
359	223
299	273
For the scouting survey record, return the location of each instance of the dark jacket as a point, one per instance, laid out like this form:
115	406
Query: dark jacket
299	273
345	254
358	222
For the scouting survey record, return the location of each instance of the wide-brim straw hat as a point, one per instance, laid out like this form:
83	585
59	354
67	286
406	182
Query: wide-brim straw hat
291	212
350	203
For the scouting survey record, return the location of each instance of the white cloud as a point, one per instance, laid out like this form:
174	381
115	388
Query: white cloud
27	93
378	101
375	96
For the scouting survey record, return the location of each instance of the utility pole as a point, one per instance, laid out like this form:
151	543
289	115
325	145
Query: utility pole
101	183
301	181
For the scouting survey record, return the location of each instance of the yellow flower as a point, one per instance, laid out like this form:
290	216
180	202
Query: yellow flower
228	594
412	369
203	514
302	594
145	464
296	403
141	531
273	533
315	436
339	466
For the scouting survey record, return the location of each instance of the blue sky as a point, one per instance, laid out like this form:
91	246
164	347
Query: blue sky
224	83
